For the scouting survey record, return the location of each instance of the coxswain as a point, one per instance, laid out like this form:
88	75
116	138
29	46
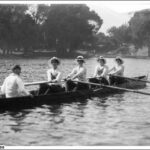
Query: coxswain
13	85
101	72
77	74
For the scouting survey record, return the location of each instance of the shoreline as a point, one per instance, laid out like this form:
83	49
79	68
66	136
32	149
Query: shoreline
72	56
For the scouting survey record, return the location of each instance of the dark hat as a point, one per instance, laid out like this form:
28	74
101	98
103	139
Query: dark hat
101	58
16	67
80	58
119	59
54	59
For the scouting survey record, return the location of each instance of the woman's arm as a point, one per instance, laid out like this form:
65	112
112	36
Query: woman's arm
95	72
112	69
72	73
79	73
58	78
118	71
105	72
49	77
3	87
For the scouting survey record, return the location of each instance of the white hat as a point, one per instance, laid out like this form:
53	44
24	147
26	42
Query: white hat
80	58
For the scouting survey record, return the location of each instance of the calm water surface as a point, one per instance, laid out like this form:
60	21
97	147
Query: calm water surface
119	119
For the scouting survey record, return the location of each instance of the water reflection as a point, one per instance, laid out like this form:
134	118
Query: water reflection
18	119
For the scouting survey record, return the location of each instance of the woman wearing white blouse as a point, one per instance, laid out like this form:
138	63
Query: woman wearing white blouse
117	71
53	74
101	72
54	77
78	73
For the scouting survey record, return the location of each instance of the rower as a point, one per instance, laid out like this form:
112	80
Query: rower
118	71
79	74
13	85
101	72
54	77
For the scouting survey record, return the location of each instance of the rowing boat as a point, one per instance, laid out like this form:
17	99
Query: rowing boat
66	97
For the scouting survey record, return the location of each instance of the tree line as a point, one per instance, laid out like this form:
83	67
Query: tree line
136	31
66	28
62	27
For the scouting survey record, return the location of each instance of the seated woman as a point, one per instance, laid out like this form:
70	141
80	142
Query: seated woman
117	71
54	77
79	74
101	72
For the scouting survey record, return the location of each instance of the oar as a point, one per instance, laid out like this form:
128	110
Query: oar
37	83
114	87
40	82
134	79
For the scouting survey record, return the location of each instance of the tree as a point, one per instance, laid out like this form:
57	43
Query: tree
120	34
140	28
18	29
40	16
69	27
28	33
105	43
10	16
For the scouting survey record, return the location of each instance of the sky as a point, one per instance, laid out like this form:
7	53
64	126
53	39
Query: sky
116	13
121	6
113	13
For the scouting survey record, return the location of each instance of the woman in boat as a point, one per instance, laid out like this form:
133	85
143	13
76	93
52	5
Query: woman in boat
78	74
117	72
101	72
118	69
54	77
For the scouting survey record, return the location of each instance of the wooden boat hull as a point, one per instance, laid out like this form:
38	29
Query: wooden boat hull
132	84
51	99
63	97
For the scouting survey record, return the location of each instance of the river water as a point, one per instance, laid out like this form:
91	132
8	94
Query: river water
119	119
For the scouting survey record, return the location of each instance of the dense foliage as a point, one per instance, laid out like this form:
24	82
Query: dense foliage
61	27
66	28
137	31
140	28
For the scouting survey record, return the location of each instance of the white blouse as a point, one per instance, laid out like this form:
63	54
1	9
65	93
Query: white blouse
101	71
118	70
54	75
79	73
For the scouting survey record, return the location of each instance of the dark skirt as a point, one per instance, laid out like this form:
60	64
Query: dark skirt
100	80
116	80
72	86
47	89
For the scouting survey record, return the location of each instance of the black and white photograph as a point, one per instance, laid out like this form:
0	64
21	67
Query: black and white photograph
74	74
